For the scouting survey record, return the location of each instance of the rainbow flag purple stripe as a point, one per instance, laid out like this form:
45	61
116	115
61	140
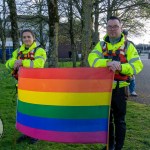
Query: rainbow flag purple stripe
69	105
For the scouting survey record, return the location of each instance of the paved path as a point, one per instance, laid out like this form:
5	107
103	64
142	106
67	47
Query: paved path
143	82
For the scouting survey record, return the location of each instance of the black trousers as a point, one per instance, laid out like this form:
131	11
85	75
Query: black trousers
117	126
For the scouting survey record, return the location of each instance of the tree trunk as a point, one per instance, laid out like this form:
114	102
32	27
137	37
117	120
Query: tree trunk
3	34
53	33
73	49
109	10
3	39
14	25
96	23
42	42
86	30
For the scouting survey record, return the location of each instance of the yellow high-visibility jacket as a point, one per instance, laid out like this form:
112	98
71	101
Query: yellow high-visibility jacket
134	65
39	57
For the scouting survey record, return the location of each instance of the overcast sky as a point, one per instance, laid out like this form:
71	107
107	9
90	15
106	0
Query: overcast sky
144	38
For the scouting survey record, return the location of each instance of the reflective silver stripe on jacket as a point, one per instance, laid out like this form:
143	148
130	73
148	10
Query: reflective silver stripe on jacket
18	50
122	47
32	51
96	59
133	60
31	64
103	44
119	81
98	53
134	70
126	48
37	57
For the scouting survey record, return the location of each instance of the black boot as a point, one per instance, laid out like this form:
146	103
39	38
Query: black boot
22	138
33	140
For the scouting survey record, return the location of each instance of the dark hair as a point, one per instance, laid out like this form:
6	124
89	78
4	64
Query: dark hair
114	18
125	32
28	30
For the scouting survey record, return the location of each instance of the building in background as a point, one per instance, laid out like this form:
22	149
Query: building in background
40	28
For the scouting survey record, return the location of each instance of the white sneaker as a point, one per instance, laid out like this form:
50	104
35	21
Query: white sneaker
133	93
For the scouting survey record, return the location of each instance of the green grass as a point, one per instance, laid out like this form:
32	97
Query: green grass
138	123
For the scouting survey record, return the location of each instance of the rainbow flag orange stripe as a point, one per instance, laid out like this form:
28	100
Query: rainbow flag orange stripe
68	105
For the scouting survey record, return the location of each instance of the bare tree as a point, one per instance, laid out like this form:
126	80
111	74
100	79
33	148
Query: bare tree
96	22
41	23
130	11
34	15
87	7
53	33
71	31
14	25
3	31
71	26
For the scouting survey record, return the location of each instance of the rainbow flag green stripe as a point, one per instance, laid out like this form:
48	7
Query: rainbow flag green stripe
63	112
65	105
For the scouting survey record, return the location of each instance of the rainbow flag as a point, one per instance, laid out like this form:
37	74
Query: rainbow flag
69	105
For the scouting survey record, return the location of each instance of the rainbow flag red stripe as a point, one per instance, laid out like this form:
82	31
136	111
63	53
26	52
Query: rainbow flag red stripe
64	104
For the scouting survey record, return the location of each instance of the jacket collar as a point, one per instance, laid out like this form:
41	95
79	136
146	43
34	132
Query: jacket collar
106	39
22	48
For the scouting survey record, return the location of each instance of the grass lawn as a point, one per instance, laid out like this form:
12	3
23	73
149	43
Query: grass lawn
138	123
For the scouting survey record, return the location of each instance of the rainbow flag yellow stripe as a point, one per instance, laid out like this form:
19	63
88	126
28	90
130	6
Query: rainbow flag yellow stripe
64	99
